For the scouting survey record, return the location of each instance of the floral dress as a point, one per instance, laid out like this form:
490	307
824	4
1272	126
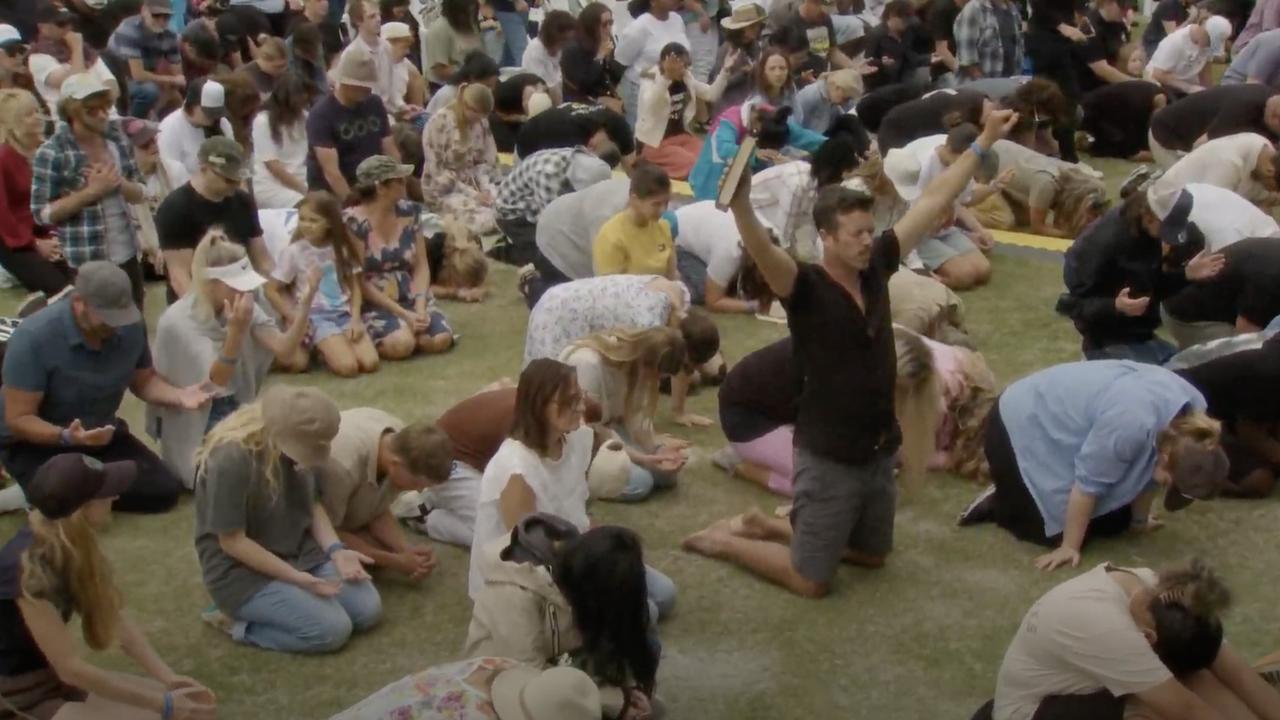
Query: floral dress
458	691
459	165
390	269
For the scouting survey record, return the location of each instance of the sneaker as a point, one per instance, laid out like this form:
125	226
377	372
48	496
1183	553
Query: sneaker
524	277
1139	179
217	619
726	459
32	304
981	510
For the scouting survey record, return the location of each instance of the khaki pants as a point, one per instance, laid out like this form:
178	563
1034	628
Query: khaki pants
1187	334
995	213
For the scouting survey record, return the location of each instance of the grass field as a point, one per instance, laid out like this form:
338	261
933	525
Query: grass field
920	639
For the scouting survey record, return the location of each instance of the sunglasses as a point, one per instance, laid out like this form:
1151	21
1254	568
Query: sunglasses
16	51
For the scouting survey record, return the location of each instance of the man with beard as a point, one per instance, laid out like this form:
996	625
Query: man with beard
59	52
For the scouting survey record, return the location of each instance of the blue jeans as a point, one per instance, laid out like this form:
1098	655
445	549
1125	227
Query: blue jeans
143	97
515	36
640	481
286	618
1155	351
662	594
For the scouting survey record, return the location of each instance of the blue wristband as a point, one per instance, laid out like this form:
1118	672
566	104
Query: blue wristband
329	551
166	713
64	437
977	150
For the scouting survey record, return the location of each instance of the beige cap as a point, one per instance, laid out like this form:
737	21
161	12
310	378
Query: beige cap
607	477
396	31
301	421
560	693
356	67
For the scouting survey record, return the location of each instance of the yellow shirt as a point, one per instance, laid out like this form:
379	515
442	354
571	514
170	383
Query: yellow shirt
623	248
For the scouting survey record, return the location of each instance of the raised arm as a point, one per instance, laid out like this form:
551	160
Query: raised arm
777	267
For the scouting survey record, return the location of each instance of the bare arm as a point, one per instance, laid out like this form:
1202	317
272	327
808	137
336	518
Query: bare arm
1171	700
276	168
20	414
321	527
356	542
327	159
718	301
777	267
138	73
1168	79
257	558
1245	682
152	388
516	501
1107	72
177	267
135	644
278	297
390	148
1080	507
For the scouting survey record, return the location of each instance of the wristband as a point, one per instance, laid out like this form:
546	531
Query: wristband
64	437
977	149
166	712
329	551
225	360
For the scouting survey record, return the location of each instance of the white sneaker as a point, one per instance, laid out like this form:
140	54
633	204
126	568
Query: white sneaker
726	459
981	510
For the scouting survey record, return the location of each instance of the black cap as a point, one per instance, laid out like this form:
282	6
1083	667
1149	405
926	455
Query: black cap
51	14
64	483
1173	229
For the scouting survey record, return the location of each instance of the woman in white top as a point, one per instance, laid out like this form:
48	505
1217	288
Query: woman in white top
542	54
656	25
280	145
1117	642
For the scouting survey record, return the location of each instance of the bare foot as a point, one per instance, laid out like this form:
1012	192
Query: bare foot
709	541
751	524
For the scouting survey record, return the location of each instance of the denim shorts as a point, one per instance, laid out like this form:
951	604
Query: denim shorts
326	323
949	244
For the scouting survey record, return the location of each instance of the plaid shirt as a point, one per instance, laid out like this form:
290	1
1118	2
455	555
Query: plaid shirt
783	198
133	40
978	39
534	183
58	170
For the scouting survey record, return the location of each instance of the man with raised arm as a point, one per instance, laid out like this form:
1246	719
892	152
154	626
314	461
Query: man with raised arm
846	433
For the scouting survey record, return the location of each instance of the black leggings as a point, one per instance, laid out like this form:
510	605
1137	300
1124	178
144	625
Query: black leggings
34	272
1015	509
1100	705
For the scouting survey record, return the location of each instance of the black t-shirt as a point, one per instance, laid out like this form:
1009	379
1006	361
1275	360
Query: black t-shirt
563	127
942	21
1118	116
847	360
1167	11
97	25
1217	111
504	132
18	650
678	93
822	38
1243	385
1047	15
22	15
1104	44
760	393
355	132
1248	287
917	118
185	215
330	34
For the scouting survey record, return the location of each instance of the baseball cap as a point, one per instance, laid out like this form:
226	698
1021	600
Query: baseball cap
64	483
106	289
380	168
396	31
159	7
1199	474
356	67
211	95
81	86
50	14
1173	229
139	131
301	421
239	275
9	36
1219	29
559	693
224	156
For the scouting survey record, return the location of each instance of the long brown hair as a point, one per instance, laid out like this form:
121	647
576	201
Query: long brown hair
758	77
544	381
65	553
345	259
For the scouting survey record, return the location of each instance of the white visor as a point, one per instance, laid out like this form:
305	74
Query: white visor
239	275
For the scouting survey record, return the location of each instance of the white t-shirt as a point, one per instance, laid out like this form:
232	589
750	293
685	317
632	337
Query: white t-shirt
278	227
179	144
1226	162
1226	218
713	236
41	65
604	383
297	260
538	61
291	151
1078	638
399	84
559	488
1178	55
643	40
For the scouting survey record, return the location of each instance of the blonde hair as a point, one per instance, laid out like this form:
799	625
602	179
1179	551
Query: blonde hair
214	250
478	96
65	554
1081	198
642	355
465	265
1195	428
847	80
917	402
246	428
15	106
1194	586
967	456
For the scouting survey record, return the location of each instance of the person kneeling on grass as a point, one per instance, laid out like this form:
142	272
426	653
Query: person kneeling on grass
374	458
1129	643
279	577
1081	450
54	568
542	467
218	336
638	240
711	263
551	596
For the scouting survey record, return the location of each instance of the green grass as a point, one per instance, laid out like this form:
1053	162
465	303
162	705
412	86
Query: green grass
920	639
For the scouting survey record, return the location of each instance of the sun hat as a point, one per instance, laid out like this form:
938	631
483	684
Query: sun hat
396	31
81	85
610	469
301	421
1200	474
65	482
380	168
108	292
559	693
902	168
356	67
224	156
744	14
239	275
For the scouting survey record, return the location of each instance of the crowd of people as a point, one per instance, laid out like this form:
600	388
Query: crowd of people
310	179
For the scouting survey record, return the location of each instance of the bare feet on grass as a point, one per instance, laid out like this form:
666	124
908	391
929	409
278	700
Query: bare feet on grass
709	541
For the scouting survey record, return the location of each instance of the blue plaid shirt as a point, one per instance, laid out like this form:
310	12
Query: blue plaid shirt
58	170
978	40
133	40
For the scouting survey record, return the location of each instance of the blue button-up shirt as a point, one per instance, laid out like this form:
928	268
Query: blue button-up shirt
1092	424
48	354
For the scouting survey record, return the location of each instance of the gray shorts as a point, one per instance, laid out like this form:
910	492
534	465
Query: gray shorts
950	243
840	507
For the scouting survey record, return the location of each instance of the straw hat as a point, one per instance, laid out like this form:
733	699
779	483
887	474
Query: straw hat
609	471
744	14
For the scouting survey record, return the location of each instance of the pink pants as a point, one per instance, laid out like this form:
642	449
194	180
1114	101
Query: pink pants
773	452
676	155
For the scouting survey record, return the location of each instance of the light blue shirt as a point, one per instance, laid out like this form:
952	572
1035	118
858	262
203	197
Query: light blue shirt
1094	425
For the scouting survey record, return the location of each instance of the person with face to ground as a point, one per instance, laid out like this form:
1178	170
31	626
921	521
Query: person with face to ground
1245	163
845	493
1182	126
1182	62
532	185
278	574
53	569
96	332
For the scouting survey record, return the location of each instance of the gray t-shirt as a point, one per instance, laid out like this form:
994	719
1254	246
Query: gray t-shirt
568	226
1260	59
231	495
